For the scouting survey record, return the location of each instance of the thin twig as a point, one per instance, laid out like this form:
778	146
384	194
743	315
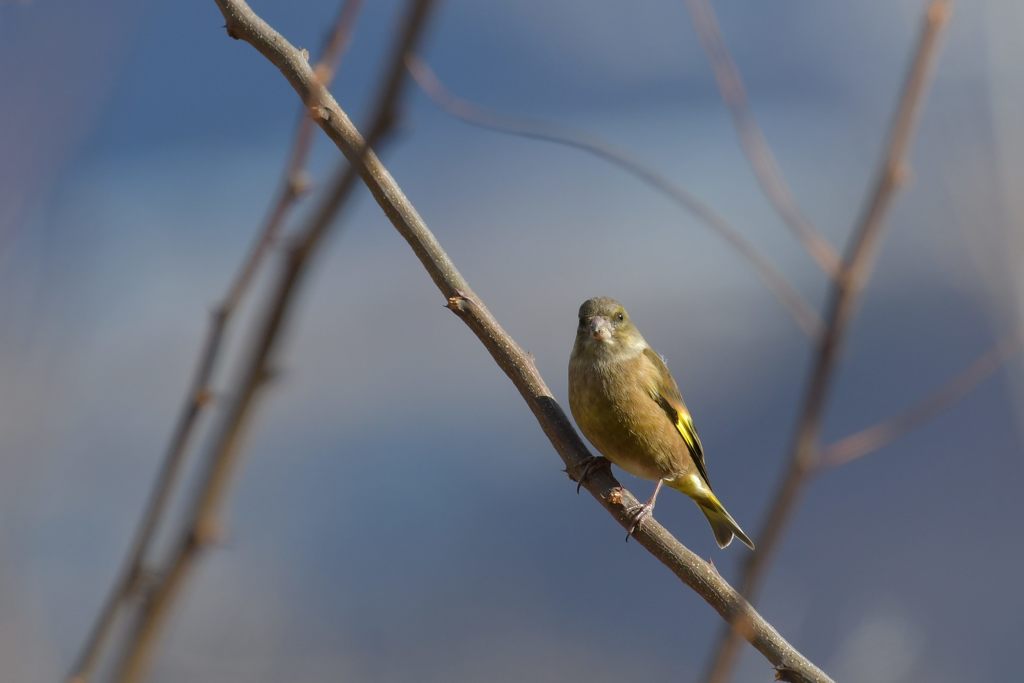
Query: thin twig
220	462
510	357
803	313
845	291
872	438
293	185
755	146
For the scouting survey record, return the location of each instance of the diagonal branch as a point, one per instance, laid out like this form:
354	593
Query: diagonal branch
790	665
755	146
805	316
218	466
843	298
872	438
294	182
197	398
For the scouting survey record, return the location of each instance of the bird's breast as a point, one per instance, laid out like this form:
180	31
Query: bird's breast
612	406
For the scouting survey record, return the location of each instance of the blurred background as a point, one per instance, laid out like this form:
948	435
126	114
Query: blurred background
376	531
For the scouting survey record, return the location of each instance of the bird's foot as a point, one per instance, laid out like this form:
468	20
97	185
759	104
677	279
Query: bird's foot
589	468
637	514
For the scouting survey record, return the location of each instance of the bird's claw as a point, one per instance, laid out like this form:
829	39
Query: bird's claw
637	514
590	466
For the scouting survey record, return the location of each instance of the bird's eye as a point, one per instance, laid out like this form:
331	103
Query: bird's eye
620	317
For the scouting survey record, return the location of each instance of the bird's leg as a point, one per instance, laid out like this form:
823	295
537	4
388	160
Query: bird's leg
638	513
591	465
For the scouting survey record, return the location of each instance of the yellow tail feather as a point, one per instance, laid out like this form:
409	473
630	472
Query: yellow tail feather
722	523
724	526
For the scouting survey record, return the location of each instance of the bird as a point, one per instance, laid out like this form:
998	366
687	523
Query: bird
628	405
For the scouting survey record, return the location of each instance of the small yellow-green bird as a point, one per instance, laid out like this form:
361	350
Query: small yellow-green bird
629	406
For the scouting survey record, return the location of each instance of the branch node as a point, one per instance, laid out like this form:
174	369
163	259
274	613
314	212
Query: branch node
939	13
305	54
323	73
203	397
207	532
614	496
299	183
899	173
318	112
232	34
457	302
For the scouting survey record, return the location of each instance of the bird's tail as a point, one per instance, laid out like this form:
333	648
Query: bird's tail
722	523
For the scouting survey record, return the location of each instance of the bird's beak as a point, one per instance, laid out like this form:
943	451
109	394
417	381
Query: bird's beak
601	329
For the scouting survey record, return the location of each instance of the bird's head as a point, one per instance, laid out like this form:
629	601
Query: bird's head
605	327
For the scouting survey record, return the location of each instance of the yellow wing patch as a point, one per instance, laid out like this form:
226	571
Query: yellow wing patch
684	423
664	391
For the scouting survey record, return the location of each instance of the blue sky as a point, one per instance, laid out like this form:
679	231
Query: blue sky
377	531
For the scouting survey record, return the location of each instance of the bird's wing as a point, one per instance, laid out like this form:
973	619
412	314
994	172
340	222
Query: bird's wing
666	393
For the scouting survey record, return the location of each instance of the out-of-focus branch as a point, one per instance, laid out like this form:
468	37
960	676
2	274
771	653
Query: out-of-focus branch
510	357
872	438
843	297
805	316
755	146
197	398
295	183
220	462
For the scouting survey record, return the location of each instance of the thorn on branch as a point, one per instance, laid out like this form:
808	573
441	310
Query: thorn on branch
784	674
711	563
231	32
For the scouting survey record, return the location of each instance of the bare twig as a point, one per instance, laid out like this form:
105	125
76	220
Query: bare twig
220	462
805	316
509	356
198	396
845	291
872	438
294	182
755	146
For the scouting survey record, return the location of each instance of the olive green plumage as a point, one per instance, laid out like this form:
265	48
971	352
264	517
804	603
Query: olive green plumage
628	405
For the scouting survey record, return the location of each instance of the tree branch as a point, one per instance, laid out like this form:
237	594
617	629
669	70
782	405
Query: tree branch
805	316
510	357
293	185
755	146
294	182
872	438
845	292
220	463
